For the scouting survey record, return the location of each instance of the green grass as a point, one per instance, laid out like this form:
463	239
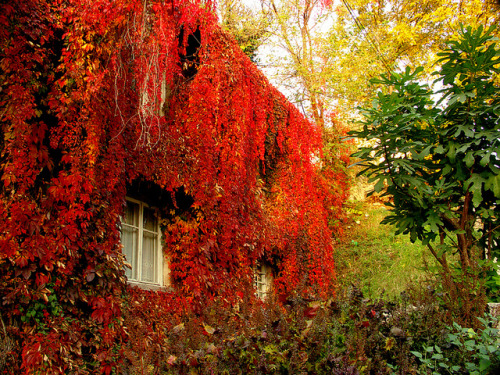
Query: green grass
372	256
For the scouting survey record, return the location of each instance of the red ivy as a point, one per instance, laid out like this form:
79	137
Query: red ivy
95	95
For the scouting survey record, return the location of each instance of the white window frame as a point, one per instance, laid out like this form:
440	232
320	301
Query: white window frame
159	258
262	280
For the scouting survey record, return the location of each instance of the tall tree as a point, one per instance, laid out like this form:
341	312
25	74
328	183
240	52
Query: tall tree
439	160
299	30
323	53
249	27
384	35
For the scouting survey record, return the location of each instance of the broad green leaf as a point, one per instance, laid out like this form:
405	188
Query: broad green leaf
451	151
485	159
484	364
425	152
469	159
379	185
447	169
493	184
416	354
475	184
434	222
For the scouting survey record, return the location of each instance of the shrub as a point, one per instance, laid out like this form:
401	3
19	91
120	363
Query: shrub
437	160
465	350
348	334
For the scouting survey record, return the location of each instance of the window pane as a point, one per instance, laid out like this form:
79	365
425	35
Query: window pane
149	220
132	214
130	238
262	281
149	257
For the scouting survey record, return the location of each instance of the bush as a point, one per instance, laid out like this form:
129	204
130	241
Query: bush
466	351
348	334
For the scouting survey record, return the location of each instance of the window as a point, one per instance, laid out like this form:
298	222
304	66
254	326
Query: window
262	280
141	244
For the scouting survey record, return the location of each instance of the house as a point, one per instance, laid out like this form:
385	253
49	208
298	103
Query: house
242	157
138	132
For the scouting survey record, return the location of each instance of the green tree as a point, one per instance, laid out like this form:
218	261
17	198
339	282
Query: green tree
299	30
321	53
438	159
371	37
248	26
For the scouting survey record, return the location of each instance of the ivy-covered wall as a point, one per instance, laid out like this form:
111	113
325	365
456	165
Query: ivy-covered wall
100	98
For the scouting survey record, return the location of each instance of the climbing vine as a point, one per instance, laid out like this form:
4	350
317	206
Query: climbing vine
95	96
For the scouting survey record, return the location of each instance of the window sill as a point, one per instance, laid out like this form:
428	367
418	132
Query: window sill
148	286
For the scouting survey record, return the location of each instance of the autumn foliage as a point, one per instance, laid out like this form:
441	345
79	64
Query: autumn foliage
97	97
